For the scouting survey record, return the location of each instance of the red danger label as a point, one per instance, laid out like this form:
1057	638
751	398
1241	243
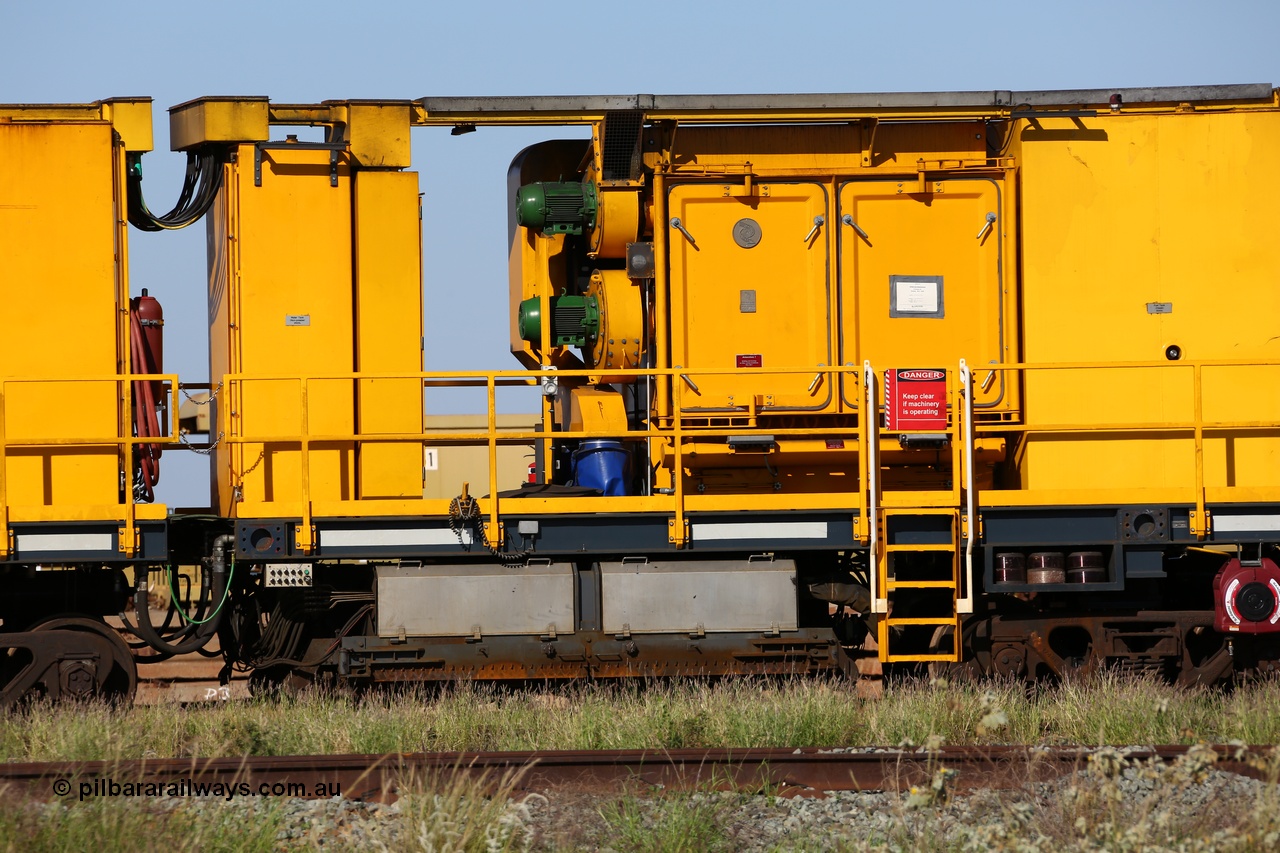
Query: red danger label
915	400
751	361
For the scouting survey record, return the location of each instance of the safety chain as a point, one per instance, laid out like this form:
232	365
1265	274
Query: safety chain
213	395
203	451
237	491
465	512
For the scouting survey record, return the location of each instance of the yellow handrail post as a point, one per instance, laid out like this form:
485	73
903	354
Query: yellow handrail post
1200	515
491	394
661	334
861	523
5	536
127	533
305	538
678	534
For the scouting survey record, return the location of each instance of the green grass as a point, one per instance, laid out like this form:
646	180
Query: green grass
671	824
113	826
737	713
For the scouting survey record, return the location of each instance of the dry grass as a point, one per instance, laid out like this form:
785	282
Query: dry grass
738	713
1111	804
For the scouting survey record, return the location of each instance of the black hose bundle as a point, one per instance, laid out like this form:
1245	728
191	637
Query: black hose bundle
199	189
195	634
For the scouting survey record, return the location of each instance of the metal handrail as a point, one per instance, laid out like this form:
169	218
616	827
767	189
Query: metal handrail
965	603
1197	426
879	603
119	440
671	426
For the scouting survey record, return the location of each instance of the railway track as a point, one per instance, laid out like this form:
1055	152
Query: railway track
802	772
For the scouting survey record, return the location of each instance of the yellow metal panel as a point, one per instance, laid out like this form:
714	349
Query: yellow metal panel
60	290
751	292
1144	232
222	259
131	119
600	411
388	329
291	314
934	252
819	148
206	120
379	134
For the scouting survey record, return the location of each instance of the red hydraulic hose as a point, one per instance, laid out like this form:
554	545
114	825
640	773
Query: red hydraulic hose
144	409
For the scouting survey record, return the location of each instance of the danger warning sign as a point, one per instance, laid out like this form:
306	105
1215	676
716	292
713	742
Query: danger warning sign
915	399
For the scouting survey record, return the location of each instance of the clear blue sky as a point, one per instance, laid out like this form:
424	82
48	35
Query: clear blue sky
311	51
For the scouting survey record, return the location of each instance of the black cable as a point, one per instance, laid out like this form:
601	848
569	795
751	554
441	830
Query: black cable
205	631
200	187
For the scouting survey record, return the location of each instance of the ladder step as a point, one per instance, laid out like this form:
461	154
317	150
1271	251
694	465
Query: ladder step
928	620
945	505
921	510
943	658
948	547
922	585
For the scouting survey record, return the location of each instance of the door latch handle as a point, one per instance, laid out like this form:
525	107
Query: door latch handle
986	226
817	223
847	219
679	226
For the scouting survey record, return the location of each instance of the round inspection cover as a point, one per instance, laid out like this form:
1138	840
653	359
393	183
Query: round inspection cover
747	233
1255	601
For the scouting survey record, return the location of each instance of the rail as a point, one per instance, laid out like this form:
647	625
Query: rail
120	386
805	771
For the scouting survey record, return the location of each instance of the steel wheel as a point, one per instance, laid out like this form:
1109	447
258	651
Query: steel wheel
120	681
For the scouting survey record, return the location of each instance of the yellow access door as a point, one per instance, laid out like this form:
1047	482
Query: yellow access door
749	291
63	288
922	283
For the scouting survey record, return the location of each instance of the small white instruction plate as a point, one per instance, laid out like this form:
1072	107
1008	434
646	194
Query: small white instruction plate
297	319
915	296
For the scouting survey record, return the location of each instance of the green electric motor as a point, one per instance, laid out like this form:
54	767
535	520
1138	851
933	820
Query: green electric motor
575	320
557	207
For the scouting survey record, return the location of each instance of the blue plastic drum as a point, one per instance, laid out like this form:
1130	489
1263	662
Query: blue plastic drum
603	464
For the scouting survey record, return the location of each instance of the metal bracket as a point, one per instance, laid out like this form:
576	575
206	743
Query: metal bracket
304	537
858	534
869	127
334	149
1201	526
127	539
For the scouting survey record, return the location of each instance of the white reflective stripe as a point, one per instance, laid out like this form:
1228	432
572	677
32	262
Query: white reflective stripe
28	543
1228	600
1231	523
354	537
707	531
